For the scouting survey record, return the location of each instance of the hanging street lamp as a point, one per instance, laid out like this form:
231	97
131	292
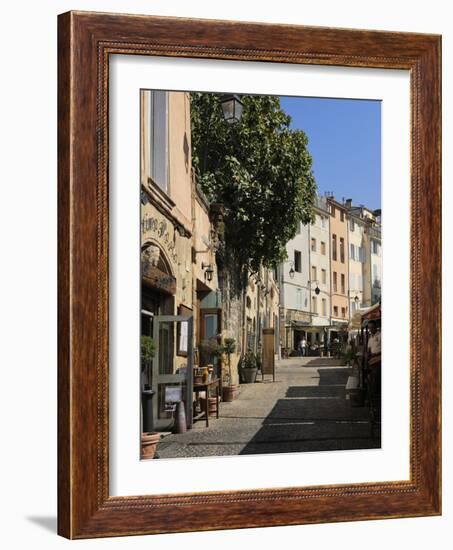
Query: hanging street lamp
232	108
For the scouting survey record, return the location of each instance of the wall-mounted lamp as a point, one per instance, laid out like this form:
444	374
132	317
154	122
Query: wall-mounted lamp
208	271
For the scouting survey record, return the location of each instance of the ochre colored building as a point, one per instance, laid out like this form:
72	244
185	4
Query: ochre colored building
339	266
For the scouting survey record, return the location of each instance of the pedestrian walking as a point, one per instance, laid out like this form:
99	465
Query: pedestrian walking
303	347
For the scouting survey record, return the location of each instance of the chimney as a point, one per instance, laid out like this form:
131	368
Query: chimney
348	203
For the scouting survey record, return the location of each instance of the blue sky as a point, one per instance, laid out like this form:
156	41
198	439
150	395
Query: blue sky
344	140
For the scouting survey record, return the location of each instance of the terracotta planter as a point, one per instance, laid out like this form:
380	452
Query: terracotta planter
212	405
229	393
149	444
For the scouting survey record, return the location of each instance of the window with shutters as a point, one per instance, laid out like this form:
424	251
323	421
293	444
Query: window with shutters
314	273
158	138
314	303
297	261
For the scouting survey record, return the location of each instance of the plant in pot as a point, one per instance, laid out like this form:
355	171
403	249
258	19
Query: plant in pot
229	390
249	367
149	438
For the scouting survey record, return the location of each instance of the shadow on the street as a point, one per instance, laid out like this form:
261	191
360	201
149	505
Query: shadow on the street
322	361
332	384
316	391
315	418
334	376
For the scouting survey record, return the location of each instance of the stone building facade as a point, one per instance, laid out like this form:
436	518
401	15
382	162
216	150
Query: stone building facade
177	249
294	280
368	233
320	277
187	304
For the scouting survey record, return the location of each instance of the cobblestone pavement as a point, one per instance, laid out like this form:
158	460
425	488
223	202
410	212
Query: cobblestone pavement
305	409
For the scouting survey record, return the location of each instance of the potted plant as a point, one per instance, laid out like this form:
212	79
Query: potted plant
249	367
229	390
149	438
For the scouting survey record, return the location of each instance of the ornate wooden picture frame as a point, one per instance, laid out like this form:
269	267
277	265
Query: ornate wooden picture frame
85	508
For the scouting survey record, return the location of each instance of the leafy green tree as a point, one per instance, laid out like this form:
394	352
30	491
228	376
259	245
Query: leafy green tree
260	170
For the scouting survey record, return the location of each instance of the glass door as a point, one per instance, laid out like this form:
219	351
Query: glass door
172	372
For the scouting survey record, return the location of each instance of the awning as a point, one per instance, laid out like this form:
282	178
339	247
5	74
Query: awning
369	313
373	313
300	324
212	300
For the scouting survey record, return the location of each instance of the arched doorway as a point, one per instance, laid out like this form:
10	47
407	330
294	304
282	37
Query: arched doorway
168	382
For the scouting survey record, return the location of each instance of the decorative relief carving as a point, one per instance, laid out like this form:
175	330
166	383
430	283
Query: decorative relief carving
163	231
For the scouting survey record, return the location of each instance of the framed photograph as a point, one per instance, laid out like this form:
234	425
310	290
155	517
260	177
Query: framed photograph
249	275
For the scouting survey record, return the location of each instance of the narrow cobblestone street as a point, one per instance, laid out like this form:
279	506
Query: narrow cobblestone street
305	409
